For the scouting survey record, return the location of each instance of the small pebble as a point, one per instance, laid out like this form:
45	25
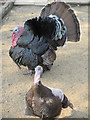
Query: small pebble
9	84
11	30
3	43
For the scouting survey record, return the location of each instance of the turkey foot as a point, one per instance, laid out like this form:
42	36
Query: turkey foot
28	72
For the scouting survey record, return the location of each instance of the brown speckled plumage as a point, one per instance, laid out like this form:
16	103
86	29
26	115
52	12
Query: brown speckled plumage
42	102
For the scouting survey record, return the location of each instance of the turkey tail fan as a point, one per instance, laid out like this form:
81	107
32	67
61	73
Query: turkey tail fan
64	11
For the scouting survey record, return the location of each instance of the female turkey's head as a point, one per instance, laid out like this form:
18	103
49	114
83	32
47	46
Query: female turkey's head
17	32
39	70
38	73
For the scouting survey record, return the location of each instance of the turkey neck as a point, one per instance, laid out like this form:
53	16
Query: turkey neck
36	78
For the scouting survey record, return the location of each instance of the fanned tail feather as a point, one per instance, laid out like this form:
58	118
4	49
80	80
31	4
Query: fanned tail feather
64	11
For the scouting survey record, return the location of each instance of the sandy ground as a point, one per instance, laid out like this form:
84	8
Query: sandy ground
69	72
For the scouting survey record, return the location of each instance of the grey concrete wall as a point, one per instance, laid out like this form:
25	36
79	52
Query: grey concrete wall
43	2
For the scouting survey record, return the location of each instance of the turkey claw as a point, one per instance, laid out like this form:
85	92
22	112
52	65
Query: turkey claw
28	72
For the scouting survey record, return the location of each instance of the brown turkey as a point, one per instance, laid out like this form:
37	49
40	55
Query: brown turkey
36	42
45	102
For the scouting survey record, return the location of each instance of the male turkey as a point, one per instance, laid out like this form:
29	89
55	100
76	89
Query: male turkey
45	102
36	42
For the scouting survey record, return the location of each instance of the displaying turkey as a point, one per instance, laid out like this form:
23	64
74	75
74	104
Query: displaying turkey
36	42
45	102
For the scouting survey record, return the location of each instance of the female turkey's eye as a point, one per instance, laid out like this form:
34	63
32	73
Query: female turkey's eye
39	69
16	30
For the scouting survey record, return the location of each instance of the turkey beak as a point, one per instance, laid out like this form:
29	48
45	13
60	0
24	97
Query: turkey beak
13	32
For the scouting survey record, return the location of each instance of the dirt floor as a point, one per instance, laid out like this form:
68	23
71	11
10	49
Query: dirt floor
69	72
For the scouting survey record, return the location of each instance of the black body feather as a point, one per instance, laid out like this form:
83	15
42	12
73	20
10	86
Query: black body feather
42	27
